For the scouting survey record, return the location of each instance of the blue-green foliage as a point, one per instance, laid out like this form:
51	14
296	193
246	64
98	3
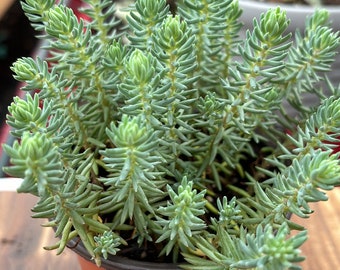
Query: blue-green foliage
107	243
148	128
183	221
265	249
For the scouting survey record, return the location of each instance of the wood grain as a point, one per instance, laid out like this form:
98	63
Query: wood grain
322	248
22	239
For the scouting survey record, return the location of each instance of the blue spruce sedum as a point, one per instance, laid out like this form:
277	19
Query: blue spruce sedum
143	126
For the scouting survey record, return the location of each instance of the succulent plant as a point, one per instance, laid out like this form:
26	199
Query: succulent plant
172	130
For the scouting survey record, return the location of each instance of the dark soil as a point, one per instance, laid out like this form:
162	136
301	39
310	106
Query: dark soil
17	39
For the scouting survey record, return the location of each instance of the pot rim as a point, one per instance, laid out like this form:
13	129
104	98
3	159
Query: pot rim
290	8
297	13
119	262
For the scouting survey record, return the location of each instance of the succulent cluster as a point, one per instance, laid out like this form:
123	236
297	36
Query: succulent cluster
174	129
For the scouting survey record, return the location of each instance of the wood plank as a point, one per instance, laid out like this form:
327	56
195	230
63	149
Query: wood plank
22	239
323	245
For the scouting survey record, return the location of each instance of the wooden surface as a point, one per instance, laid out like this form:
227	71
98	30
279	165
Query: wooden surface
322	248
22	239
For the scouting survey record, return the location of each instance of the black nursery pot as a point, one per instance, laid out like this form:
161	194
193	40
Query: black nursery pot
118	262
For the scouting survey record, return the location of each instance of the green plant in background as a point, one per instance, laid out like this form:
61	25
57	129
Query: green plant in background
174	130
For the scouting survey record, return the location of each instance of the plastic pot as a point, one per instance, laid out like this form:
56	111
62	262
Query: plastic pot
117	262
297	14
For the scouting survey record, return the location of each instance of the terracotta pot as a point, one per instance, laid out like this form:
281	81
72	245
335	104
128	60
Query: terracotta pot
87	265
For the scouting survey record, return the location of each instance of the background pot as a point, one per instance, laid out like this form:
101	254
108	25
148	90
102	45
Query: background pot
297	14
